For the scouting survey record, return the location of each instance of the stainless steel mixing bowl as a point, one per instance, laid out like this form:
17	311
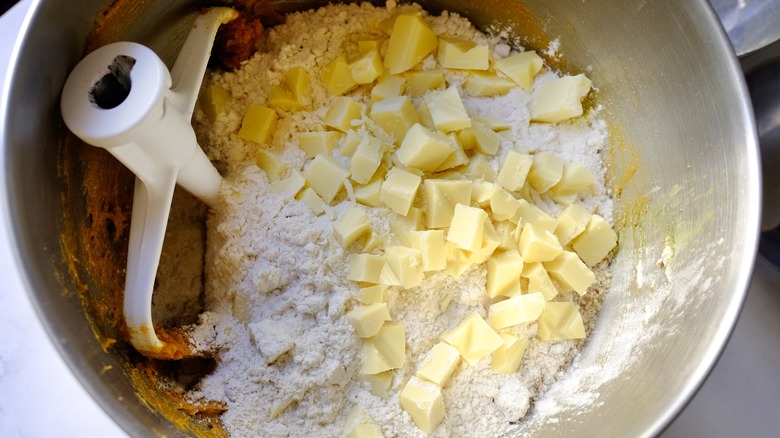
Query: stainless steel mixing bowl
684	161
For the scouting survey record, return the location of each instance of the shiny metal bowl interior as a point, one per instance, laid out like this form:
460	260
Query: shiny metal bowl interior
684	158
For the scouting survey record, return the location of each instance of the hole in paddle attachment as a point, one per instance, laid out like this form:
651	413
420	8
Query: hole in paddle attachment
113	88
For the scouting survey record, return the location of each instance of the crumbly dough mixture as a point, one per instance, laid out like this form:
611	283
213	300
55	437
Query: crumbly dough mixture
276	290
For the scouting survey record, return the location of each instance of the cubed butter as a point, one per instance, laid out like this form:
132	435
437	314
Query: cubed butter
517	310
267	161
473	338
546	171
487	141
560	99
373	241
493	122
369	194
349	143
371	294
537	244
367	67
338	77
506	236
463	54
431	246
360	425
514	171
570	272
487	85
571	222
503	205
281	98
467	227
366	160
423	81
507	358
396	115
424	149
457	259
490	241
318	142
521	68
342	112
387	86
258	124
351	226
478	168
447	110
530	213
425	115
215	100
404	227
560	321
539	280
403	267
390	343
325	176
313	201
378	383
503	270
441	363
457	158
367	320
289	186
366	268
298	83
441	196
410	42
424	403
596	241
399	189
575	178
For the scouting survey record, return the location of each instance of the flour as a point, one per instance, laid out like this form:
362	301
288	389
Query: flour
276	284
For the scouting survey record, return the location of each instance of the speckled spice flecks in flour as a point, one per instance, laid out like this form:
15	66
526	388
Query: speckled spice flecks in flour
276	286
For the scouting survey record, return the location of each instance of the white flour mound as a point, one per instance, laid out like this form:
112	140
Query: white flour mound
276	284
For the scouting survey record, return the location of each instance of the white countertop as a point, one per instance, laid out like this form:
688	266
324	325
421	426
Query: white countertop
39	397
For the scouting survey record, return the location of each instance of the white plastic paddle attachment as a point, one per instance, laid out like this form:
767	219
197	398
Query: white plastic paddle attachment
121	97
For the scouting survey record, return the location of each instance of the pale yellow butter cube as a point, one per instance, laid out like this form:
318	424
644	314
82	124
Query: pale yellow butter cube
373	241
338	77
342	112
473	338
559	100
528	213
466	138
539	281
507	358
441	363
467	227
298	83
289	186
482	191
516	310
215	100
404	226
506	236
367	67
575	178
399	189
457	158
403	267
514	171
361	425
318	142
369	194
424	403
387	86
570	272
387	24
258	124
546	171
447	110
493	122
424	149
267	161
423	81
441	196
349	143
390	343
503	205
366	268
396	115
457	259
478	167
596	241
463	54
367	45
313	201
281	98
366	160
371	361
502	270
325	176
372	294
490	241
431	246
560	321
521	68
487	141
487	85
425	115
410	42
351	226
367	320
378	383
537	244
571	222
